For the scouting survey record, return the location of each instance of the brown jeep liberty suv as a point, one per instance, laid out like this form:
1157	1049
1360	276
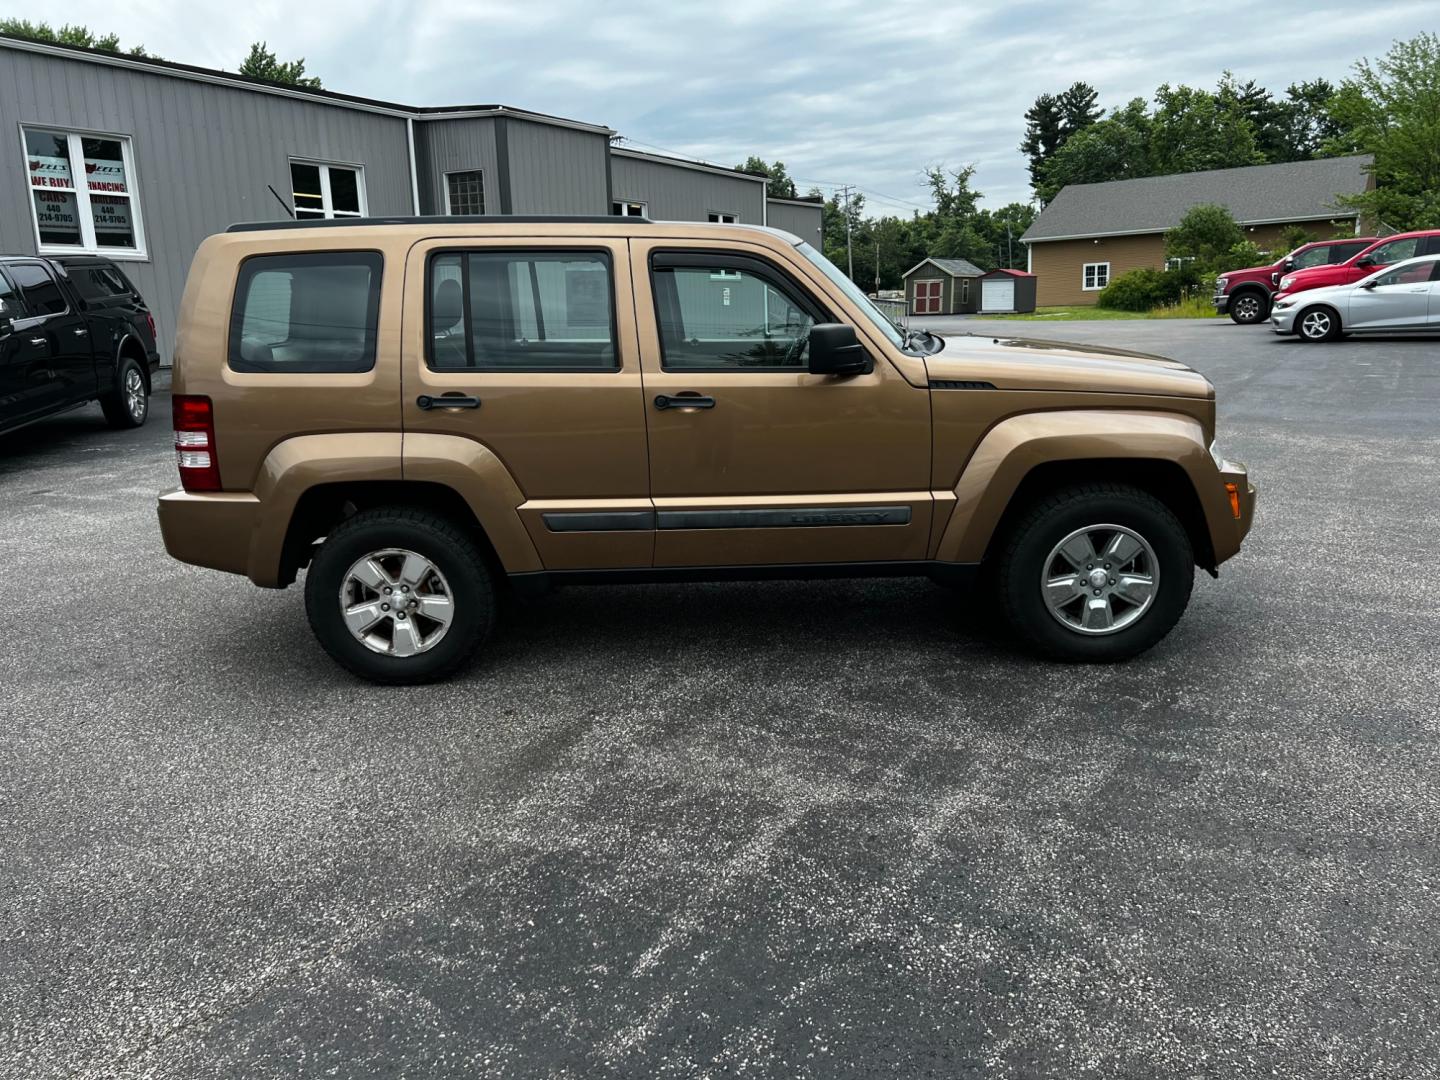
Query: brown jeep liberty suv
421	409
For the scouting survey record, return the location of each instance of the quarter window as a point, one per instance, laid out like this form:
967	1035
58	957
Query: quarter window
719	319
82	192
721	219
327	191
1095	276
629	209
306	313
465	192
41	291
521	311
99	283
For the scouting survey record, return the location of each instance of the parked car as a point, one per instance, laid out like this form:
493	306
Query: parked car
1403	298
73	330
1245	295
422	409
1378	255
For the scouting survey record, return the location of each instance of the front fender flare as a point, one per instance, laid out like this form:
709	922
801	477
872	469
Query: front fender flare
1012	448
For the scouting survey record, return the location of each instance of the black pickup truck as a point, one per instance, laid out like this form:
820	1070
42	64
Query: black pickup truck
73	330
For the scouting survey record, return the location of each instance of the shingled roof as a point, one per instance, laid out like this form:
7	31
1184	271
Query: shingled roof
953	267
1256	194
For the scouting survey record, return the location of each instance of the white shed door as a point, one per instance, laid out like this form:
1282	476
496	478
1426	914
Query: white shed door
997	294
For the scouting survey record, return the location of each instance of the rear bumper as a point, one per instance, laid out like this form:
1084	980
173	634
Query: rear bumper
210	529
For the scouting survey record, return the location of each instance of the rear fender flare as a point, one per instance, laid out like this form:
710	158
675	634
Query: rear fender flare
1011	449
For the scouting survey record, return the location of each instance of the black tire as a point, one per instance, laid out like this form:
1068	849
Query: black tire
1022	565
120	408
1249	307
1309	322
452	551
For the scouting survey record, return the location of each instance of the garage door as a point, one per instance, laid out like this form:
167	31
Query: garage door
997	295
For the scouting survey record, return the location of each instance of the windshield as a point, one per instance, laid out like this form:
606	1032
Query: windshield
854	292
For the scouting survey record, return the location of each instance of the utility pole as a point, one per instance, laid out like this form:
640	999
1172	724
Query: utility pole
1009	251
849	252
877	267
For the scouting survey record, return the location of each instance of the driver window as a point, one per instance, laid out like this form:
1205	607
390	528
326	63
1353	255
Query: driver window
723	319
1407	275
1394	251
1316	256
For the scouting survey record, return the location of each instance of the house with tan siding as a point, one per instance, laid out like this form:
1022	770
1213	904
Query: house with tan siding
1090	234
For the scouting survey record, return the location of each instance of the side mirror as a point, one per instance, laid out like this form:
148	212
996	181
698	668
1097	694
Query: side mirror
835	350
1365	263
1369	284
7	321
1289	263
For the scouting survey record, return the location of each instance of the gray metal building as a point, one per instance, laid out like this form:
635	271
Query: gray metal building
141	159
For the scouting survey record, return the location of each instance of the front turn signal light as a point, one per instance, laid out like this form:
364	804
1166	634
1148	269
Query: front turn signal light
1233	490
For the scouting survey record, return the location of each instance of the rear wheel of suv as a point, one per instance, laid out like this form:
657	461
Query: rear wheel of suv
399	596
1249	307
1097	572
128	405
1319	323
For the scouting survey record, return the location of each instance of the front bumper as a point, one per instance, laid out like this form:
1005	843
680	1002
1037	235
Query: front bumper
1222	303
1228	531
1282	321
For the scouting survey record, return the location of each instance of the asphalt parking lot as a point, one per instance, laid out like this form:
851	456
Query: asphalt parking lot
811	829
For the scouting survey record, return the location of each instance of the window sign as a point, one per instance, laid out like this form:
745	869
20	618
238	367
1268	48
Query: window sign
96	215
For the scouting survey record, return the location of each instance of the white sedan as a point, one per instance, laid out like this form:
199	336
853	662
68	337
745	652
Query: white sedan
1402	298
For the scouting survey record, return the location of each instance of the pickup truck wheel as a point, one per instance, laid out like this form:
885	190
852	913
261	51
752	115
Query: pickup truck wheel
399	596
1249	307
1097	572
128	406
1319	323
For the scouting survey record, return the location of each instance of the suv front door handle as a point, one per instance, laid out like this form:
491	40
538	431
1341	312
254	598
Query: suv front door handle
447	401
685	400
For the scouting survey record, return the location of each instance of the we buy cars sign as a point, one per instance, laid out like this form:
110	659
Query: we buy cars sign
52	172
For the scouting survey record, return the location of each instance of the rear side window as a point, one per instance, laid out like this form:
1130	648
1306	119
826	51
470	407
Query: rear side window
41	291
306	313
10	305
521	311
98	283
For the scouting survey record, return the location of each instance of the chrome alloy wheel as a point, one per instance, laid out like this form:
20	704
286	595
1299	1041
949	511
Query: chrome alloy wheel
1316	324
1247	308
396	603
1100	579
135	402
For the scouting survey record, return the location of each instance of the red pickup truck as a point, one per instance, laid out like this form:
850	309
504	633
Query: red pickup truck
1373	257
1246	295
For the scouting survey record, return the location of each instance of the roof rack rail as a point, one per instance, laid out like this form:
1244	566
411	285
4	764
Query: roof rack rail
438	219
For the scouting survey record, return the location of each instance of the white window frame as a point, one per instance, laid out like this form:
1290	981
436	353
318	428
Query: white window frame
721	217
1085	276
621	208
327	203
445	183
88	244
1178	262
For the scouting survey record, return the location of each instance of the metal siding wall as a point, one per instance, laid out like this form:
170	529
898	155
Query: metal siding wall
675	193
443	146
803	221
203	156
555	170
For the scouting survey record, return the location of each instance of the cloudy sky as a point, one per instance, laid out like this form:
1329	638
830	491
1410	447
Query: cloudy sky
865	93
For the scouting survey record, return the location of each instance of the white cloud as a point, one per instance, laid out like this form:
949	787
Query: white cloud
841	90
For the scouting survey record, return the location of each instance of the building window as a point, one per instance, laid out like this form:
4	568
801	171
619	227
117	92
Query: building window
1096	276
465	192
965	290
721	219
327	191
1179	263
82	193
629	209
306	312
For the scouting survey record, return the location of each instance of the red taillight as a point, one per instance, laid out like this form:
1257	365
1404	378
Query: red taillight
154	334
195	443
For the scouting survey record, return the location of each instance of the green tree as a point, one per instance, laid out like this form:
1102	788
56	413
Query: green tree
1391	108
1053	120
1207	234
779	185
958	231
1194	129
1310	125
1116	148
262	63
833	216
69	34
1293	237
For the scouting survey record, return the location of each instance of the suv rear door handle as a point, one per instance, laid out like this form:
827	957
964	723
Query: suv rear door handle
447	401
686	400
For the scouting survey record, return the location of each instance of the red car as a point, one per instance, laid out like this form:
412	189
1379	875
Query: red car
1245	295
1380	254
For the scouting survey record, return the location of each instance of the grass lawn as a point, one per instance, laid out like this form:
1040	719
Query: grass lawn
1189	309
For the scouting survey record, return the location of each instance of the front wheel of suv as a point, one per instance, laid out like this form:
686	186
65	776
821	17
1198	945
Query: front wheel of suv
1097	572
399	596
